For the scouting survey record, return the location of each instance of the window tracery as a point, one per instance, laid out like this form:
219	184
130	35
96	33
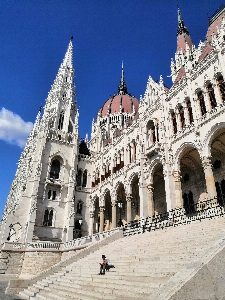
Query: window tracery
201	102
211	95
48	217
55	169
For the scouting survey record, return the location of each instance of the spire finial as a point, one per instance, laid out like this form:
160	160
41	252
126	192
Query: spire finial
122	89
181	27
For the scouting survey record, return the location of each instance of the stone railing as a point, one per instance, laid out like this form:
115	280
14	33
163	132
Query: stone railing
58	246
44	245
7	246
179	216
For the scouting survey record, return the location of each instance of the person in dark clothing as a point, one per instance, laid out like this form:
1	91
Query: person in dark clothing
103	265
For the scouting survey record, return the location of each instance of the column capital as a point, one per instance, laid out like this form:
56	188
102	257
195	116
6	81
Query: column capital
113	203
129	197
102	208
150	188
206	162
176	175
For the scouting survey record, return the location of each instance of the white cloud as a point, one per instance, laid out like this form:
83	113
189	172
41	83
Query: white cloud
13	129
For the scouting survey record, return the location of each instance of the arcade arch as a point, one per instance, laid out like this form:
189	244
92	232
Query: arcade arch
193	184
217	149
159	193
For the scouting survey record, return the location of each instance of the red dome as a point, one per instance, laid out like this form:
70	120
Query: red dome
113	105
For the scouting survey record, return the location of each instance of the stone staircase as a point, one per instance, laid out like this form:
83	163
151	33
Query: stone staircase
145	265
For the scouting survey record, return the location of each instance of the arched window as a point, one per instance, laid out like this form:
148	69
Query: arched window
70	127
221	85
181	114
84	184
79	176
211	95
174	121
190	114
201	103
79	207
48	217
61	119
55	169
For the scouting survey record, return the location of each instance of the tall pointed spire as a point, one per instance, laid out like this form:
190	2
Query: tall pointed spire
183	36
122	89
181	27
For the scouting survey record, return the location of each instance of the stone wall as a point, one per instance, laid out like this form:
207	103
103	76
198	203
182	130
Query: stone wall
11	262
36	262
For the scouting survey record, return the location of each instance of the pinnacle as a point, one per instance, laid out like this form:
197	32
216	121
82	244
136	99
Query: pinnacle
181	27
122	89
68	59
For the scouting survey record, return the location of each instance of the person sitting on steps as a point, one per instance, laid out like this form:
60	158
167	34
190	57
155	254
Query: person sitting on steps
103	265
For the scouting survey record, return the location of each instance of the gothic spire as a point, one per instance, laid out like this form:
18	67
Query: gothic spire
183	37
63	81
122	89
181	27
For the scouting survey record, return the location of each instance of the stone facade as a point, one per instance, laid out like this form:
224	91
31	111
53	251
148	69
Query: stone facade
144	157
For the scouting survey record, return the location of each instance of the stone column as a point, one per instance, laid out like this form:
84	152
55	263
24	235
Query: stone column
186	114
209	178
132	152
102	208
129	214
178	190
91	223
114	214
217	93
151	209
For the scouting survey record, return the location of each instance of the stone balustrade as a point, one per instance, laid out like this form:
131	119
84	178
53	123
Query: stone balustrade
179	216
44	245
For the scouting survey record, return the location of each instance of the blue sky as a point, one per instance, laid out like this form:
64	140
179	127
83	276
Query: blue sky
34	36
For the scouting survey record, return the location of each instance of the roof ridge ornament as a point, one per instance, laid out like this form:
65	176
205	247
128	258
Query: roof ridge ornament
181	27
122	89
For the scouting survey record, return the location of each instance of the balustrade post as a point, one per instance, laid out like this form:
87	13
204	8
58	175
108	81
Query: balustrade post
151	208
102	208
209	178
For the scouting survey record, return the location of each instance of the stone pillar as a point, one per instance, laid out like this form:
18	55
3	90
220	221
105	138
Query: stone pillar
129	209
91	223
217	94
114	214
178	190
209	178
132	152
186	114
102	208
151	208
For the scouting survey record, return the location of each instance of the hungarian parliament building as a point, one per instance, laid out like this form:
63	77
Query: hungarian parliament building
146	157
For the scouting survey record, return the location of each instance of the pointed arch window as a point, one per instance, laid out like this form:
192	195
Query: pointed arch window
55	169
211	95
201	102
181	114
61	120
79	207
84	183
174	122
190	113
221	86
48	217
79	177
